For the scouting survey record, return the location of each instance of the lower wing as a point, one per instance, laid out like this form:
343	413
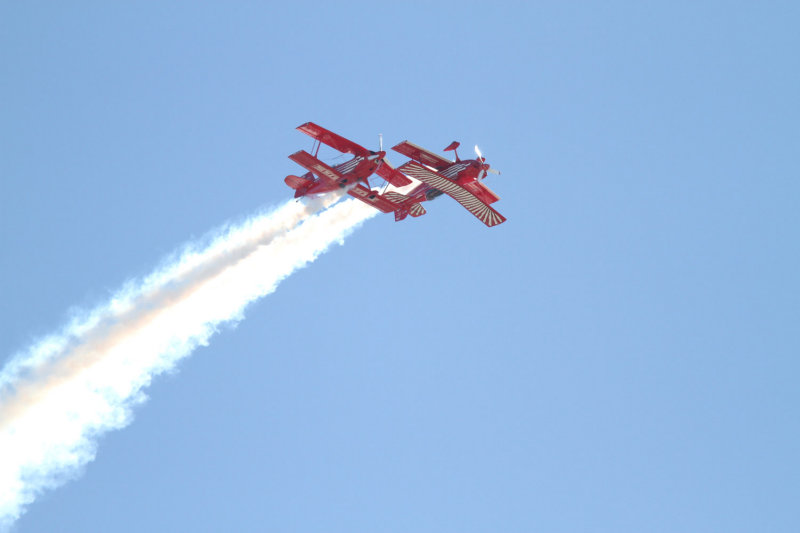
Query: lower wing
316	166
472	203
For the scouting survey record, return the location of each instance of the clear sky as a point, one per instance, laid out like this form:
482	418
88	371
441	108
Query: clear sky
621	355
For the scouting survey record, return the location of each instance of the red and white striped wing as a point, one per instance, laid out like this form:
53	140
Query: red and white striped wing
414	209
472	203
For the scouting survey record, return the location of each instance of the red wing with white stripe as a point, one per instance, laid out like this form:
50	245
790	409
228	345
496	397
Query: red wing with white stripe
304	159
426	157
472	203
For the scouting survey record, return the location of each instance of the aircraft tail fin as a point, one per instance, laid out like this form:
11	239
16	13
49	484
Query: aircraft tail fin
405	204
300	185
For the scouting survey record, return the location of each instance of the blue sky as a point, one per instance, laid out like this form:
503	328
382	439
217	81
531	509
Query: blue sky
621	355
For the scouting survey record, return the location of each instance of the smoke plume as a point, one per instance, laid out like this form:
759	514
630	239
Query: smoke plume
61	394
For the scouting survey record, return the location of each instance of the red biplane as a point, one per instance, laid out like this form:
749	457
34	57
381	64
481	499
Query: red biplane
354	173
459	179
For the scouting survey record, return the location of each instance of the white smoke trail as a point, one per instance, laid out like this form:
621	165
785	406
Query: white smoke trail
57	397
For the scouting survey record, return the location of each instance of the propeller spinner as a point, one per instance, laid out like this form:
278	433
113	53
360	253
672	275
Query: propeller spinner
485	168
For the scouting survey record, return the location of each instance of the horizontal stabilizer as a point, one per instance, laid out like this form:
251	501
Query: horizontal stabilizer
408	206
401	204
296	182
414	208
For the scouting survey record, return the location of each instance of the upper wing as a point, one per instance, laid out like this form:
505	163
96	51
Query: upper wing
333	140
417	153
316	166
392	175
472	203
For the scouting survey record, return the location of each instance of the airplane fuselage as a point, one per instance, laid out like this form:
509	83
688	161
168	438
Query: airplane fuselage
350	172
461	172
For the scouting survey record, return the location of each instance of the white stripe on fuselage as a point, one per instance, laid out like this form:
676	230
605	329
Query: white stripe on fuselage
348	166
453	170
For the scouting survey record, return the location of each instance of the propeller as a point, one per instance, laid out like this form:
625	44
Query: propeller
380	155
486	168
382	160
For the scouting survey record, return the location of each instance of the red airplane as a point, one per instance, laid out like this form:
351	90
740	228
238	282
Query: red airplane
322	178
459	179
